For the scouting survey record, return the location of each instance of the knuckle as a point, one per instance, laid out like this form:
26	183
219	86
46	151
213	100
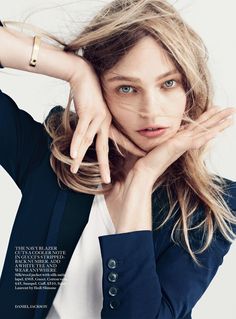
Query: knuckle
102	114
104	148
197	144
88	139
78	130
103	131
104	164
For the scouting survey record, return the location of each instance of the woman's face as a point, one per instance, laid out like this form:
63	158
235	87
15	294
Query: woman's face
152	98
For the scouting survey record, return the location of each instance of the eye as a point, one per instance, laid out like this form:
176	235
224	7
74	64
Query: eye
124	91
169	83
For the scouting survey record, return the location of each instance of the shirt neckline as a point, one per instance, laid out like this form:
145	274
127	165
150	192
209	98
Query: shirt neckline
105	212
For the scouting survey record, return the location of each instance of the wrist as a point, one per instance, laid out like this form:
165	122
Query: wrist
77	67
145	176
143	182
16	51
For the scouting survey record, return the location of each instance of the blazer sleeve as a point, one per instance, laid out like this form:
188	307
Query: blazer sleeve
137	285
21	139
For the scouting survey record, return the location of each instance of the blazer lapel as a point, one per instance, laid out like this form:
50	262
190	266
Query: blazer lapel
69	217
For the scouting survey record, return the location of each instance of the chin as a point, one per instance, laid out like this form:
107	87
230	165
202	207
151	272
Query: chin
149	148
145	147
150	144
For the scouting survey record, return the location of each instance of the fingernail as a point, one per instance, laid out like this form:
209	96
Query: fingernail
107	178
74	154
73	170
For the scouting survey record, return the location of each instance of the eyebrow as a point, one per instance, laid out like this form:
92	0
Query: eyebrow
133	79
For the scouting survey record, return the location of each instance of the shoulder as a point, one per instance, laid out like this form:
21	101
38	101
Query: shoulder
23	141
14	118
229	188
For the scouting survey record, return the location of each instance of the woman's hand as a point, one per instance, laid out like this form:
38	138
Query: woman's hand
134	211
94	118
189	136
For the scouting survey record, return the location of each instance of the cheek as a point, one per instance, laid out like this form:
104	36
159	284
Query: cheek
183	101
179	96
121	117
179	101
122	111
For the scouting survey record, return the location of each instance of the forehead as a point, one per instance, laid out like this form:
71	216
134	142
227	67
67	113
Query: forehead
147	57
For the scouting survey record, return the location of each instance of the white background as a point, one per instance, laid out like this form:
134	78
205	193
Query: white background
37	94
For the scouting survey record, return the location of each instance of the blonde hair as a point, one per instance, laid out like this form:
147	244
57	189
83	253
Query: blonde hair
188	187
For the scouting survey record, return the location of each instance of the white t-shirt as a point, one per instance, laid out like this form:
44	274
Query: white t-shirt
80	293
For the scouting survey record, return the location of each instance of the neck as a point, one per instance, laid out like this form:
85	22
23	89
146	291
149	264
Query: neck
130	161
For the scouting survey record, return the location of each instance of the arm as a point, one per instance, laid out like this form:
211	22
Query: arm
156	283
151	286
22	138
15	52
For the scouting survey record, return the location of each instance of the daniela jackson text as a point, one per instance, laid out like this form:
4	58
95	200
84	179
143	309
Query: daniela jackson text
30	306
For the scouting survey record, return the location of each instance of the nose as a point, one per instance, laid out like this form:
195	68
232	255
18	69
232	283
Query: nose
152	105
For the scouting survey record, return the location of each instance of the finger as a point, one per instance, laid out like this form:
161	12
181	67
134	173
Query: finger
203	117
183	127
214	119
84	145
223	125
218	117
123	141
214	132
80	130
102	148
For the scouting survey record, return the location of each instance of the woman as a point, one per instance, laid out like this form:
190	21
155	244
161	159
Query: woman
148	243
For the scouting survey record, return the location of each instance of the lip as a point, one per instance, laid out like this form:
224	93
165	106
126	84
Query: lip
158	132
152	126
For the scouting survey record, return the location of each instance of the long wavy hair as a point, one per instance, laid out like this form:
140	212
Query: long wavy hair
186	190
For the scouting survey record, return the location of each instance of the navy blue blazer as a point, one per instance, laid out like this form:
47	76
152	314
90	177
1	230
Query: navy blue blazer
156	277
